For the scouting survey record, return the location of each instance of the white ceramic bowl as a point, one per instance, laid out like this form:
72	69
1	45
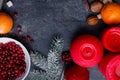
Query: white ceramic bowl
27	57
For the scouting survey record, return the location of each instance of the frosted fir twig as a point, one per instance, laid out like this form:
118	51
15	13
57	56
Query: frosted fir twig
38	60
54	57
52	64
37	75
57	45
62	73
54	54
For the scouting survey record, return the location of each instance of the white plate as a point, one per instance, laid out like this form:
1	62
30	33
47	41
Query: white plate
27	57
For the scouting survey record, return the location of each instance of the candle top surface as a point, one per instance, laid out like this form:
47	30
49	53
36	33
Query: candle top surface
111	39
86	50
113	68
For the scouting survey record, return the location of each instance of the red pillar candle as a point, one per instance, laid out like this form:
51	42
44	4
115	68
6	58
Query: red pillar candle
76	73
110	66
111	39
86	51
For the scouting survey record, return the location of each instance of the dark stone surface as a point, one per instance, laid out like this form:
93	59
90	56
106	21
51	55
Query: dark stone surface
41	19
44	18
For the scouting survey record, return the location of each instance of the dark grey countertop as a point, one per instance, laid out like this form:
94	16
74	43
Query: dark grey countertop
41	19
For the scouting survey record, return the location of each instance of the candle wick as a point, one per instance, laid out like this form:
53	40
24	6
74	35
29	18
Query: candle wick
87	52
115	39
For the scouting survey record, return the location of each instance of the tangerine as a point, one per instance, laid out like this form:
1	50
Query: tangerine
6	23
111	13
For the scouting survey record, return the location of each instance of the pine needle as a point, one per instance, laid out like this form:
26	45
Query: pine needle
37	75
38	60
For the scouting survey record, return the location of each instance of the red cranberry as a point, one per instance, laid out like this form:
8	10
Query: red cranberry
15	14
28	37
31	41
19	27
19	32
10	55
23	39
66	57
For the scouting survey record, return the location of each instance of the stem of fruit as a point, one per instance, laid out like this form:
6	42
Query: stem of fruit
99	16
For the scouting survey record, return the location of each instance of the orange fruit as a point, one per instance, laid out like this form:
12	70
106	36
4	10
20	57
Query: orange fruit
6	23
111	13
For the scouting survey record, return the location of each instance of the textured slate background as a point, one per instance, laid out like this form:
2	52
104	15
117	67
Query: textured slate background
41	19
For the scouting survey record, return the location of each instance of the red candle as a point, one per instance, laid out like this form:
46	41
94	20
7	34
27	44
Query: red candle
111	39
86	51
110	66
75	72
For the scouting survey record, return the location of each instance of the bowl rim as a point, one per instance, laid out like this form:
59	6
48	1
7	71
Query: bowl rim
24	50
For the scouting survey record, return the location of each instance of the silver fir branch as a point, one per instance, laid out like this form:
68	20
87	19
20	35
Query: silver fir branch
52	64
37	75
54	54
54	59
38	60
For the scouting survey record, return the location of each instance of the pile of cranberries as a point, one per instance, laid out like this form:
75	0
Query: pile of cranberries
12	61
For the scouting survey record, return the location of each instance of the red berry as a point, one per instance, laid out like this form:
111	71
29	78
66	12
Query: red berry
28	37
9	65
20	74
19	32
66	57
19	27
16	71
15	14
1	78
23	39
31	41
